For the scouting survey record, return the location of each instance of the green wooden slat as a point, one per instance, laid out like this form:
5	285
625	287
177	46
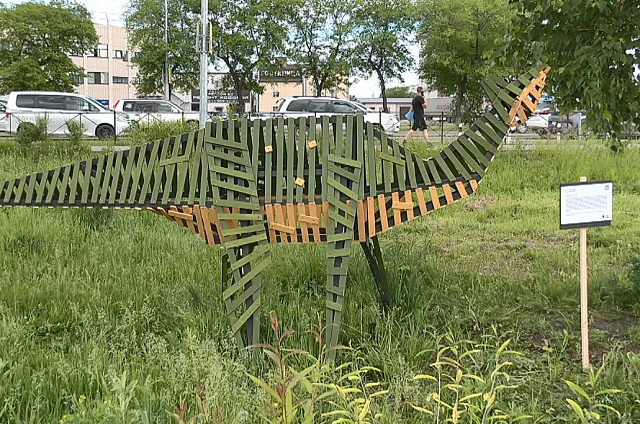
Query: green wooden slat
497	125
471	147
256	268
255	145
237	204
290	158
480	140
344	161
487	131
106	177
512	87
183	170
338	204
9	190
74	183
44	182
348	144
445	168
32	185
131	159
158	173
53	183
259	251
141	153
246	294
237	188
64	185
338	135
332	238
467	158
497	104
399	168
240	216
346	221
245	240
97	179
245	316
117	173
170	170
373	182
20	189
268	161
311	159
386	166
302	141
434	171
342	172
231	172
456	163
279	150
194	171
325	155
153	158
360	154
422	168
244	230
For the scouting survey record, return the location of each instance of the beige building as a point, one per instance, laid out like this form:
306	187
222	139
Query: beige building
109	72
288	82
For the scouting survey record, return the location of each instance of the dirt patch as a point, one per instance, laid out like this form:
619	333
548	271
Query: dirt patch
479	204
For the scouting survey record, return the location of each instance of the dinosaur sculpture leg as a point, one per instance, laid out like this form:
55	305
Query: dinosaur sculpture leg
339	237
374	257
236	200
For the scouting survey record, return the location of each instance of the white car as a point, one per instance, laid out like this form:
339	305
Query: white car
4	118
143	110
25	107
291	107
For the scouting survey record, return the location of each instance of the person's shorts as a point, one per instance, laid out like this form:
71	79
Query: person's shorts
419	124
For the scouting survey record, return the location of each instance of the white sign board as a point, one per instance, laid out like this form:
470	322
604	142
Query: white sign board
588	204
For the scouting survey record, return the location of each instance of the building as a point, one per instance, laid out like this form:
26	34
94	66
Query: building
219	99
289	82
109	73
399	107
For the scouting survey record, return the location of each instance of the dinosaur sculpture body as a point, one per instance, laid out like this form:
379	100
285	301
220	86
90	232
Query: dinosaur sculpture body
248	184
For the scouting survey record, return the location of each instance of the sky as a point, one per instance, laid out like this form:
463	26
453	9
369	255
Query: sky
113	10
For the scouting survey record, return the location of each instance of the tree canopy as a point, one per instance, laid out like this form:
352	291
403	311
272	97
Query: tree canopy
457	36
35	43
399	92
144	20
592	48
383	31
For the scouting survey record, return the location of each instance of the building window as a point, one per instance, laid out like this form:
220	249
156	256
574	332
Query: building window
275	108
134	54
119	54
120	80
275	94
78	79
98	78
100	51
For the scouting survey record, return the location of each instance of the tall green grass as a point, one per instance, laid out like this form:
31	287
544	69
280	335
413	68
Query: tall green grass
109	314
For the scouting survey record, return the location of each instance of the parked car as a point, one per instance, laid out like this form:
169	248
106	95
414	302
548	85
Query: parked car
24	107
4	118
329	106
142	110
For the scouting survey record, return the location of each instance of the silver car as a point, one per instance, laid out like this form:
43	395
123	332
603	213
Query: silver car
150	110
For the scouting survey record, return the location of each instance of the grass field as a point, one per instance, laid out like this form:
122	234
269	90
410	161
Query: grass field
111	317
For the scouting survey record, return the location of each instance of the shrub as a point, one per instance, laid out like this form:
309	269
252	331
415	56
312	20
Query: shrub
31	132
75	131
142	133
624	290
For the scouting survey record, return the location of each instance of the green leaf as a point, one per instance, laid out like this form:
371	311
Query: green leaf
420	409
265	386
577	409
608	391
425	377
610	408
578	390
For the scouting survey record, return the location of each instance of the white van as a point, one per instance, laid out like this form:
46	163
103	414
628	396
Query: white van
26	106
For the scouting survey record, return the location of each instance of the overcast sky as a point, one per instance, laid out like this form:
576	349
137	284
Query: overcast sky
113	10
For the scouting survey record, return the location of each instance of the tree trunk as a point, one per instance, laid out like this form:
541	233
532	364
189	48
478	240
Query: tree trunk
383	92
462	90
238	90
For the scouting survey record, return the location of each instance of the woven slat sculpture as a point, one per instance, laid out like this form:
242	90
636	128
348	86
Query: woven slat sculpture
248	184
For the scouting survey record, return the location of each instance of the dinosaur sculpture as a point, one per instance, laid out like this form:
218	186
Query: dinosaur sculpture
248	184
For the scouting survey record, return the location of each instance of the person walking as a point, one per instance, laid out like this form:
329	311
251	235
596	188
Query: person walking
418	104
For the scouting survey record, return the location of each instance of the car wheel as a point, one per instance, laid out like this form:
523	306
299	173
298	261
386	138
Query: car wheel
522	128
105	131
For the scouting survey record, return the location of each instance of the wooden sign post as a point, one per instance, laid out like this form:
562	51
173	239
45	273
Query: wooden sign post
583	205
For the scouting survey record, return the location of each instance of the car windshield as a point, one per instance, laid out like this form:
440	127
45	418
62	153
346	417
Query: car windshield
96	103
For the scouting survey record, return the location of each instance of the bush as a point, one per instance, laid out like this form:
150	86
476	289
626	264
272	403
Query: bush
31	132
142	133
624	290
75	131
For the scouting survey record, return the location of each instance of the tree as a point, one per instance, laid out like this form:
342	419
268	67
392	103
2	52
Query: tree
248	37
400	92
144	20
35	43
457	37
383	30
322	41
592	48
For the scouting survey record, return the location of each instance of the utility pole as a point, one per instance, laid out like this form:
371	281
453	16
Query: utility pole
165	71
204	62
